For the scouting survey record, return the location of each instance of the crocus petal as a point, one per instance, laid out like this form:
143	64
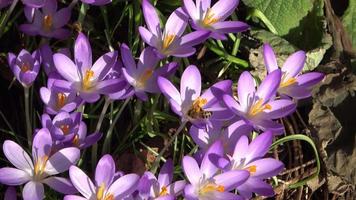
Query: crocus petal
82	182
269	58
245	89
66	68
165	176
176	23
309	79
97	2
29	29
177	187
110	86
266	167
232	104
224	8
279	108
34	3
89	97
191	9
148	60
230	27
148	37
91	139
207	167
17	156
33	191
191	170
190	83
166	197
241	148
231	179
183	52
102	66
128	59
169	90
60	34
189	193
203	5
49	7
60	184
266	124
194	38
13	176
62	160
42	144
259	146
124	186
269	85
10	194
225	195
74	197
294	64
105	170
257	186
151	18
82	53
61	17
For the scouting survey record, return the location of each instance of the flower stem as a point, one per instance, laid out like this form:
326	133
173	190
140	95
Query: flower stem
27	115
7	16
165	148
109	133
94	150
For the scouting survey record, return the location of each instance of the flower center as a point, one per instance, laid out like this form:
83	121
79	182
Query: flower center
40	165
25	67
87	83
251	169
76	140
47	22
196	111
288	82
211	187
141	82
100	194
258	107
65	129
209	18
167	40
61	100
164	191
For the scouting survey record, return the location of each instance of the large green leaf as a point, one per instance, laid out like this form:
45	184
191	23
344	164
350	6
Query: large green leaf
284	15
349	20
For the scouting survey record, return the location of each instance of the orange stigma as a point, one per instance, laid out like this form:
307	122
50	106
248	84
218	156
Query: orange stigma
76	140
25	67
251	169
61	100
87	84
147	74
65	129
47	22
210	187
164	191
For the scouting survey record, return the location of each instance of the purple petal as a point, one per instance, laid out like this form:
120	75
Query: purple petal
266	167
257	186
230	27
105	170
60	184
165	176
17	156
176	23
33	191
62	160
259	146
246	89
82	53
269	85
191	9
61	17
265	124
190	83
34	3
151	18
82	182
13	176
224	8
102	66
148	60
10	194
310	79
148	37
183	52
90	97
191	170
66	68
279	108
294	64
97	2
241	148
42	144
231	179
74	197
177	187
128	59
207	166
124	186
194	38
169	90
110	86
232	104
203	5
49	7
189	193
270	58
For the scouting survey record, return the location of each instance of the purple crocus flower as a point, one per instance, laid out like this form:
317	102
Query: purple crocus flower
47	58
25	66
48	22
41	169
105	187
250	157
57	100
258	107
82	76
205	181
189	103
4	3
205	17
170	40
10	194
162	188
143	76
293	83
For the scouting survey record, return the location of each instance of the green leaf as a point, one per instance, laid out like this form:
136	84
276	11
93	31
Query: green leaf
349	21
284	15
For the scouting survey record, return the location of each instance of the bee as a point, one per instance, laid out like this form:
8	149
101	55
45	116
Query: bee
199	114
205	114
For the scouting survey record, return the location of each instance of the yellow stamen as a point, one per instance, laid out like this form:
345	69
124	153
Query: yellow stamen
47	22
164	191
251	169
76	140
198	104
141	82
288	82
100	194
61	100
40	165
209	18
89	74
258	107
167	41
65	129
210	187
25	67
